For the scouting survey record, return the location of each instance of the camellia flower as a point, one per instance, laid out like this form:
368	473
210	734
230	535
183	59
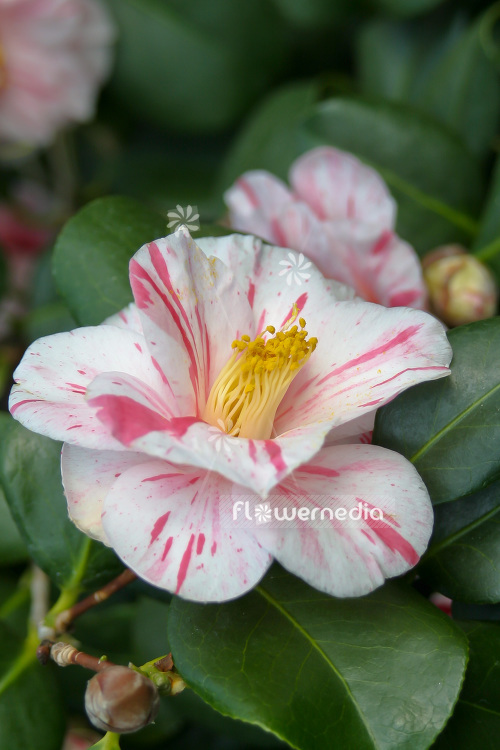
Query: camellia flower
216	336
340	213
53	56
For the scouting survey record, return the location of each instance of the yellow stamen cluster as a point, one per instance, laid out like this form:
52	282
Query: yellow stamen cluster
250	387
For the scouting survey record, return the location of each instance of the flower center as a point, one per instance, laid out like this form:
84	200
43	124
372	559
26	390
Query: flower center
251	385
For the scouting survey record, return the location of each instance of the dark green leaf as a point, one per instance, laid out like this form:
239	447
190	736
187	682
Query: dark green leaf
476	719
46	320
195	67
432	175
449	429
15	601
462	611
31	715
31	479
463	561
440	68
322	672
316	14
406	7
269	140
12	547
93	251
487	243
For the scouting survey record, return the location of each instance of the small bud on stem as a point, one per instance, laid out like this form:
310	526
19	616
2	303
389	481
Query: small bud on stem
461	289
119	699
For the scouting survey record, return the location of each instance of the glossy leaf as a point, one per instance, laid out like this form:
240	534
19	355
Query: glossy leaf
195	67
449	429
12	547
486	246
406	7
319	671
476	719
92	253
270	140
316	14
432	175
31	480
31	714
463	560
439	67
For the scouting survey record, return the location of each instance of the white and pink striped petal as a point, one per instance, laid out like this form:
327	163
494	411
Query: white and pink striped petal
338	186
264	271
366	355
166	526
88	476
346	555
376	263
53	376
192	309
254	201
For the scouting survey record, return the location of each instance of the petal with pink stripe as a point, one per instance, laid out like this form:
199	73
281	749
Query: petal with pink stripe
128	318
347	555
55	372
338	186
254	200
88	476
192	309
132	416
166	526
376	263
261	271
366	355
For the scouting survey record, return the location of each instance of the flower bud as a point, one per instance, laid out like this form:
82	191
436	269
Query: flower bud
461	289
120	700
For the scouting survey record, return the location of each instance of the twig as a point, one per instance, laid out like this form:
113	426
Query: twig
65	619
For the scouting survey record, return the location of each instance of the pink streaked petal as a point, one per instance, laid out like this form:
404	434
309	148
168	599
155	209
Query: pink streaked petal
356	431
55	372
192	309
351	557
166	526
258	465
88	476
129	408
376	263
254	200
128	318
366	355
258	266
338	186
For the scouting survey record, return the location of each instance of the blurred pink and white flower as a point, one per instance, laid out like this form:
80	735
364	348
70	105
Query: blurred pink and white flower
340	214
54	54
210	340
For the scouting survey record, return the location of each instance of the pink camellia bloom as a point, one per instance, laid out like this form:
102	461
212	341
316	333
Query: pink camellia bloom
54	54
216	339
341	215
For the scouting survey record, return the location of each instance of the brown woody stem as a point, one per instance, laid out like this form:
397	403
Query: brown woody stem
66	618
64	654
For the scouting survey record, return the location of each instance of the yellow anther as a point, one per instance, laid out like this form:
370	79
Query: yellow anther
250	387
